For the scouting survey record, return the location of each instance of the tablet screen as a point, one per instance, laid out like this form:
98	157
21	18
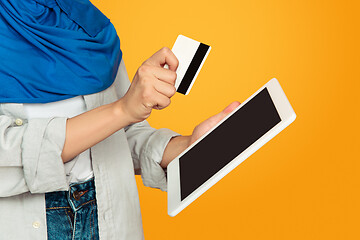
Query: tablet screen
227	141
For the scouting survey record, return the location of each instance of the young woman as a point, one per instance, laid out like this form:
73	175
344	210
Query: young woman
72	128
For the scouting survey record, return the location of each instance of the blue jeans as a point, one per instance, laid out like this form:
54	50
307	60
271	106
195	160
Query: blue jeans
72	214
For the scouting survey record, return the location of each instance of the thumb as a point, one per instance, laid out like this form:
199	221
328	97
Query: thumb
230	107
217	118
212	121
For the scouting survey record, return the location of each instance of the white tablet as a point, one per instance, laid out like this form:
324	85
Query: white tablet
257	120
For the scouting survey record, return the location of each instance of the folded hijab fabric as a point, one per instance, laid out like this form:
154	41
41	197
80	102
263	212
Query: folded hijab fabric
52	50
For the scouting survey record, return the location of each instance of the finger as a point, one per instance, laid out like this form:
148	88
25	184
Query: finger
162	57
165	75
165	88
162	101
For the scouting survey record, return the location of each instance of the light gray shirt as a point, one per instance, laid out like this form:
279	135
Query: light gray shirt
31	165
79	169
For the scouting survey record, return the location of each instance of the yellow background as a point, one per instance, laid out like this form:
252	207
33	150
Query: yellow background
303	184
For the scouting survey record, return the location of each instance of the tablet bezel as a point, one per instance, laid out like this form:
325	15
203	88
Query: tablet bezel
287	115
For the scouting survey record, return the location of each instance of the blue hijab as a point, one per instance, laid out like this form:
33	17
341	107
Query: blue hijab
52	50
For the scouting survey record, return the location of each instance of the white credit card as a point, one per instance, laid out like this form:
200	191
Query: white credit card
191	55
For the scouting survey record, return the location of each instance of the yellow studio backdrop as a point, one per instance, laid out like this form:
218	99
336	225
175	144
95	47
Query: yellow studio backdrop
303	184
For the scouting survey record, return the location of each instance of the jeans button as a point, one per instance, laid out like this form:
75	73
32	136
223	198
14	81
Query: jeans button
76	195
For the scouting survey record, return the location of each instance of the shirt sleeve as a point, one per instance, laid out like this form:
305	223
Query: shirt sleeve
147	144
30	155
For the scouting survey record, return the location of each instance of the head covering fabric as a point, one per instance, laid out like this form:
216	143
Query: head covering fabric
52	50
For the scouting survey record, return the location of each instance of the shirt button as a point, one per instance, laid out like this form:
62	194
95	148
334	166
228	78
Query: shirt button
19	122
36	224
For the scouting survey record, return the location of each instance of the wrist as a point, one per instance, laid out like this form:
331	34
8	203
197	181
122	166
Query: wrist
120	112
175	146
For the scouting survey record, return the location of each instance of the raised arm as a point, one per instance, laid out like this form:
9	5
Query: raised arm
152	87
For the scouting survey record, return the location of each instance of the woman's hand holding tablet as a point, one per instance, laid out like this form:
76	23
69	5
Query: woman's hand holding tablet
262	116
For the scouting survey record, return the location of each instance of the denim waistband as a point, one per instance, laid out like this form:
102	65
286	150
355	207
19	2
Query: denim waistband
79	194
